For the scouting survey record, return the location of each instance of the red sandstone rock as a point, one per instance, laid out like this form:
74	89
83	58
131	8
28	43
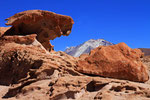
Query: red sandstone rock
23	58
78	88
117	61
47	25
3	30
31	73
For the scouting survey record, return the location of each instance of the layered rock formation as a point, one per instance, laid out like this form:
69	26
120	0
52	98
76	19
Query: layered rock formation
24	58
47	25
79	88
28	71
117	61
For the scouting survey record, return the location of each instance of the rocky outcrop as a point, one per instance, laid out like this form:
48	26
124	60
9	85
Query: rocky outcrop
3	30
47	25
96	88
117	61
28	71
24	58
146	61
71	87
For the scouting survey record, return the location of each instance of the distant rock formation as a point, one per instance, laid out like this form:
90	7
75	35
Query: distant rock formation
47	25
86	47
117	61
146	51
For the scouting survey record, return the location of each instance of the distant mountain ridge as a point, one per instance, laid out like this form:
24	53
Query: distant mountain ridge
146	51
86	47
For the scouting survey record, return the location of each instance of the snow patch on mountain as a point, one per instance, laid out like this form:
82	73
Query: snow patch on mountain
86	47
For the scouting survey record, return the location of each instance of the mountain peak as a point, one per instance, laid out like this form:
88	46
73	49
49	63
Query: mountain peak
86	47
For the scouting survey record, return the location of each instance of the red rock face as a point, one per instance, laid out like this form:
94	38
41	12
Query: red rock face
27	70
3	30
47	25
117	61
21	56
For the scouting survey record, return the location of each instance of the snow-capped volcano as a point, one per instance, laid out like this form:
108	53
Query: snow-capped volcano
86	47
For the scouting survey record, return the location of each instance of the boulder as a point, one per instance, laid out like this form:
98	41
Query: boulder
47	25
117	61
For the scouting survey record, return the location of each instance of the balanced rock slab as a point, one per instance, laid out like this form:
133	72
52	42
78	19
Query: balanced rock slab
117	61
47	25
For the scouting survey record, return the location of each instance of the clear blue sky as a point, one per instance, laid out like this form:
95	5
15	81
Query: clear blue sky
113	20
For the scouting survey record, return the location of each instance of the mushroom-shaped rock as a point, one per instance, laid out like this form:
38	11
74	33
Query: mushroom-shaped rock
47	25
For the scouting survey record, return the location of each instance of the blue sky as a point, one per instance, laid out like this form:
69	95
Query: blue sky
113	20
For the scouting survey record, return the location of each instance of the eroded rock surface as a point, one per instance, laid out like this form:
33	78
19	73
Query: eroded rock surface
24	57
117	61
3	30
29	72
70	87
47	25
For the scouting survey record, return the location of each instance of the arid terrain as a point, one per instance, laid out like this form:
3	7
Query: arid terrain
30	70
